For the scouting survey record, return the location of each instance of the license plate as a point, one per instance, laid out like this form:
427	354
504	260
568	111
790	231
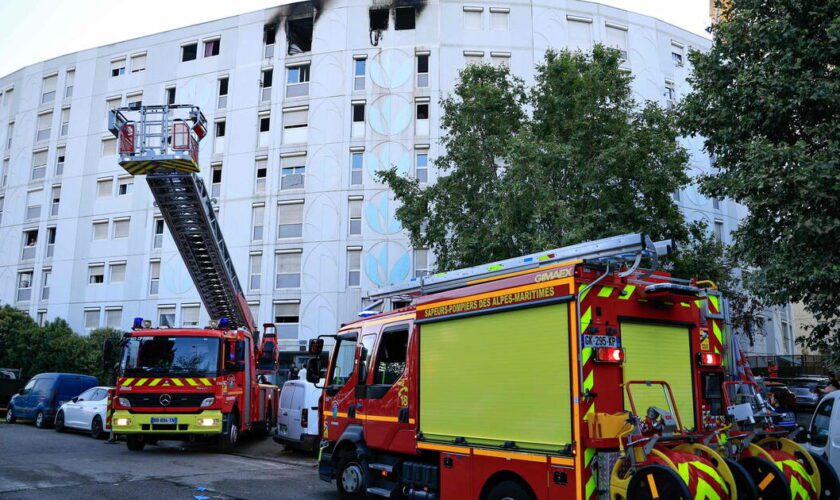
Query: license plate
164	420
601	341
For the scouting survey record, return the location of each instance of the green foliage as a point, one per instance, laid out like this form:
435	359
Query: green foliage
51	348
588	162
766	98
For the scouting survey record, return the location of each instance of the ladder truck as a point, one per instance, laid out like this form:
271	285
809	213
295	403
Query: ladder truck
570	373
189	383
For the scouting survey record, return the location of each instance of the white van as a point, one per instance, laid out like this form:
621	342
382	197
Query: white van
823	437
297	418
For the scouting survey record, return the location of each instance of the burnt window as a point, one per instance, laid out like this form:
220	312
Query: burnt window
404	18
299	35
265	123
269	34
358	112
423	111
378	19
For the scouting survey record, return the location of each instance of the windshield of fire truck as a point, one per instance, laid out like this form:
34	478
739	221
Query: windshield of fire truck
172	356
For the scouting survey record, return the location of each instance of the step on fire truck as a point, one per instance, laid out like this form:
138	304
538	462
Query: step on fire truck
555	375
189	383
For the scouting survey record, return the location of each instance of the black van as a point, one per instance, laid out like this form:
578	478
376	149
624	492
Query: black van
44	394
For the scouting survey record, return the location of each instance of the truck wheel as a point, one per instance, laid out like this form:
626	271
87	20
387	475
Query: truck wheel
351	478
10	415
657	481
509	490
96	431
40	420
228	441
135	442
59	422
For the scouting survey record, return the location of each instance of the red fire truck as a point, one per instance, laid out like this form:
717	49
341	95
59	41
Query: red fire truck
513	380
193	383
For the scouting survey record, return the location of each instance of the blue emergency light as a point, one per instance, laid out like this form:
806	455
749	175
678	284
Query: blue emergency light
138	323
224	323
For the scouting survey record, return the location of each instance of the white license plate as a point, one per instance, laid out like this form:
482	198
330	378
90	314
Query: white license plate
601	341
164	420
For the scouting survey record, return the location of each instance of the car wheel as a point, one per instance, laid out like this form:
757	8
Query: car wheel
228	441
135	442
96	430
352	476
59	422
10	416
40	421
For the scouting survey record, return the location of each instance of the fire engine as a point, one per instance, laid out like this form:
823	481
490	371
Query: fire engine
571	373
189	383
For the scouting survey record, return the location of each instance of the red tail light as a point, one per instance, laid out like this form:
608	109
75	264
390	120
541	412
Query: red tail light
709	359
304	417
609	355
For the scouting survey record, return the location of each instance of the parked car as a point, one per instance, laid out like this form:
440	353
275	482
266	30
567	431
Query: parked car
806	397
297	418
41	397
88	412
823	438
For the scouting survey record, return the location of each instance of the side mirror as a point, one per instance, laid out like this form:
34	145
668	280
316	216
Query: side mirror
75	399
316	346
313	370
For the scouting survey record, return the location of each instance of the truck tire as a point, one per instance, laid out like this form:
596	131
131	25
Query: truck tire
351	477
59	422
509	489
227	441
135	442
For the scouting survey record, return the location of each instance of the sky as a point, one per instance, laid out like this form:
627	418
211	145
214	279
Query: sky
35	30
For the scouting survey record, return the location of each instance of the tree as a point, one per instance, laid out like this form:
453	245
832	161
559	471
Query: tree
766	98
95	341
589	163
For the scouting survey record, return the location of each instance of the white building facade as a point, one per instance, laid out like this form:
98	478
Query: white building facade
305	101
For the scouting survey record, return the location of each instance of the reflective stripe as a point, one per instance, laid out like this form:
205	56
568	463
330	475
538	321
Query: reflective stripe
206	381
127	381
712	473
177	382
714	301
192	382
628	292
797	490
605	291
765	482
654	491
705	490
799	469
585	320
590	487
588	455
141	382
154	382
589	381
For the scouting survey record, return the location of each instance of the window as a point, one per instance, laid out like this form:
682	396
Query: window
293	177
216	180
715	203
670	94
677	58
45	284
500	59
266	84
357	159
4	174
189	315
100	230
113	317
138	63
421	165
262	173
255	271
288	270
354	266
24	288
405	18
358	123
39	164
109	147
118	67
359	64
65	122
265	129
295	125
255	311
223	92
44	126
297	81
473	18
69	79
166	317
125	186
355	210
473	57
286	316
219	140
96	274
51	241
111	104
821	423
121	227
104	187
154	277
290	218
134	100
719	229
11	132
269	37
580	33
211	47
379	17
2	203
676	195
617	39
117	272
257	222
345	361
30	242
391	356
422	121
189	52
55	201
157	237
422	70
59	161
299	35
421	262
499	18
48	89
33	204
41	318
170	95
91	318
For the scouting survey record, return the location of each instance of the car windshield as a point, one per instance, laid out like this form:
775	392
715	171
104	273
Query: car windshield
174	356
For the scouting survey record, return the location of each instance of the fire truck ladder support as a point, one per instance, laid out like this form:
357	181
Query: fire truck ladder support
616	251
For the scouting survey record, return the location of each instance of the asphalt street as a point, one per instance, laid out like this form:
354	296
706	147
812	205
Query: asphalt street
45	464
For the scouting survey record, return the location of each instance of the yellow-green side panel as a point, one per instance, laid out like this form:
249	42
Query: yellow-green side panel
658	352
498	377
